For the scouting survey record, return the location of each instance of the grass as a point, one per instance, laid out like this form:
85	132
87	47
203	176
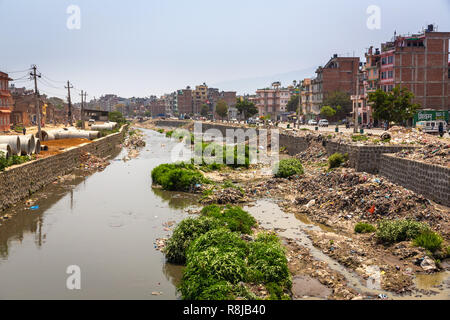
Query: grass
288	168
359	138
429	240
400	230
178	177
12	161
364	228
220	264
336	160
236	219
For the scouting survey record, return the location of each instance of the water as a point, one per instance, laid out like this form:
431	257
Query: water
106	224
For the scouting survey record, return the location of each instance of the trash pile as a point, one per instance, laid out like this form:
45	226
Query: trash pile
315	152
91	163
435	153
349	195
225	196
133	142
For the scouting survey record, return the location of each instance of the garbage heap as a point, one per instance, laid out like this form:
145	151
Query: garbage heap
433	153
350	195
91	163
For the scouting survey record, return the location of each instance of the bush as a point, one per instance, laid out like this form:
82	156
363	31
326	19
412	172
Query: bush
234	218
336	160
429	240
400	230
117	116
169	134
364	228
187	231
288	168
267	262
79	124
177	177
12	161
222	239
358	138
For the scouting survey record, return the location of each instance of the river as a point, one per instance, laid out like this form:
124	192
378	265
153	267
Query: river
106	224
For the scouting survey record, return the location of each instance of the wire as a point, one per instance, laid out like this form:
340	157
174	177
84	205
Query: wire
48	84
9	72
52	80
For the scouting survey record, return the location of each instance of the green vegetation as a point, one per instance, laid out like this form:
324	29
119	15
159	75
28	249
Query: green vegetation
336	160
169	134
400	230
222	109
117	116
288	168
104	133
364	228
219	263
246	108
160	131
327	112
360	138
11	161
236	219
429	240
395	106
232	156
79	124
187	231
178	177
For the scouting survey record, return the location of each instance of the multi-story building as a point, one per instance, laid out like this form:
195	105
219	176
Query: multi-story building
418	62
200	97
185	101
339	74
306	97
230	99
273	101
158	108
5	102
371	83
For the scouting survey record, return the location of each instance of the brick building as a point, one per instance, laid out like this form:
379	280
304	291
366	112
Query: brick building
273	101
419	62
5	102
184	101
339	74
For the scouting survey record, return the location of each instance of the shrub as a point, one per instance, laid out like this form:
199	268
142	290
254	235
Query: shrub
288	168
336	160
267	262
222	239
358	138
169	134
79	124
235	219
400	230
187	231
364	228
12	161
429	240
177	177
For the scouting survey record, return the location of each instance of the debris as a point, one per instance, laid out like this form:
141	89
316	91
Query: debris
428	264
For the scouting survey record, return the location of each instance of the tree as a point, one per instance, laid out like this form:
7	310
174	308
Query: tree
293	103
395	106
340	102
204	110
327	112
222	109
246	108
116	116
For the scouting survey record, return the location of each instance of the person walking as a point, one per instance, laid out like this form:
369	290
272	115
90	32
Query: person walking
24	131
441	129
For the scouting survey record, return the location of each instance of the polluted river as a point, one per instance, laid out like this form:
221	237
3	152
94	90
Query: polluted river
108	225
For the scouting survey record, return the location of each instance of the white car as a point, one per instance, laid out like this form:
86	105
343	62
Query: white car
312	122
323	123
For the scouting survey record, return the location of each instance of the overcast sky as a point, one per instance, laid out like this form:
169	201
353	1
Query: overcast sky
144	47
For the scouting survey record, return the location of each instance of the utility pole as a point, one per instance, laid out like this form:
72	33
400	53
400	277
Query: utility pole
69	113
36	95
83	96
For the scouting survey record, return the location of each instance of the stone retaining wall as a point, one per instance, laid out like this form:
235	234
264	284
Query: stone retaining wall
432	181
19	182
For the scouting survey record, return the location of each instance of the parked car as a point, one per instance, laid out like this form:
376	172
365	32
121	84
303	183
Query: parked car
312	123
431	127
323	123
91	122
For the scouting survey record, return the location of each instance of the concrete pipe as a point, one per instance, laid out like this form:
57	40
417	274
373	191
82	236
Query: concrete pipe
47	135
37	146
33	142
94	135
25	146
14	143
5	150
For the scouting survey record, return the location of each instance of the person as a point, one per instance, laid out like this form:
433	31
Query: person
24	130
441	129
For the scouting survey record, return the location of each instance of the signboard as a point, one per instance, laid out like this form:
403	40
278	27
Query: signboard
431	115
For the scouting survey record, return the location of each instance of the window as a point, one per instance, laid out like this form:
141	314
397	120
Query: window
390	74
390	59
383	61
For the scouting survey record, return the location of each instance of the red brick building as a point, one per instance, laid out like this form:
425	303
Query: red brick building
339	74
419	62
5	102
185	102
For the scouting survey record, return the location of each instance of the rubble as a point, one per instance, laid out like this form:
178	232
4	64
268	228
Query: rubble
91	163
433	153
133	143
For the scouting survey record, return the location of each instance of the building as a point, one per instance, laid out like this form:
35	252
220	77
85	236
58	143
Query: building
419	62
5	102
158	108
200	97
185	102
273	101
339	74
230	99
306	97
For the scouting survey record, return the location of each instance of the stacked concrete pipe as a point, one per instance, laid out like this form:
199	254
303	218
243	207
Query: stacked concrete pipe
105	126
5	150
27	144
13	142
37	146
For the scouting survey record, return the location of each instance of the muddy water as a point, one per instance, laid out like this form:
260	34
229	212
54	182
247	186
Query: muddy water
106	224
270	216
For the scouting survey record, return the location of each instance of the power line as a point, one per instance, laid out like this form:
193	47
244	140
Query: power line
48	84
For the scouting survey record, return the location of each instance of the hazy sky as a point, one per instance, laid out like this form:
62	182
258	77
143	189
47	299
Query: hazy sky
144	47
